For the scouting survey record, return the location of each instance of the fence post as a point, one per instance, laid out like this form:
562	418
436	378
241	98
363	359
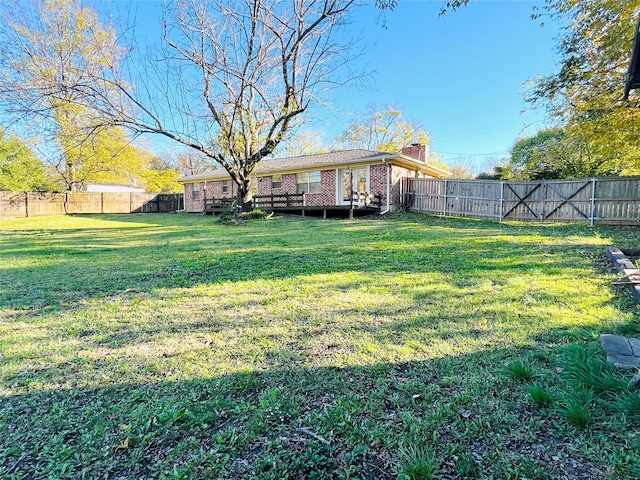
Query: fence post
131	202
444	205
593	202
501	200
26	204
101	202
545	192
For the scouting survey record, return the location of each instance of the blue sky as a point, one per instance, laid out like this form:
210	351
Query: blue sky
461	76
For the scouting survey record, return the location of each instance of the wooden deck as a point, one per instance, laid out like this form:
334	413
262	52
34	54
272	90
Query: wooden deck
294	204
327	211
218	205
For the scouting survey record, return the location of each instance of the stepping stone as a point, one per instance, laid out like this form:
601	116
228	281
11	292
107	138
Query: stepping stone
621	351
635	346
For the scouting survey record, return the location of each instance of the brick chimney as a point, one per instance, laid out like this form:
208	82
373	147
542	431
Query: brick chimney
417	151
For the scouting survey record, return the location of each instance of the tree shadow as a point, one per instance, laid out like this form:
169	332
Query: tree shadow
70	416
292	422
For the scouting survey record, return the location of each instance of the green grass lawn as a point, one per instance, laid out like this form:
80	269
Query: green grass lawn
176	346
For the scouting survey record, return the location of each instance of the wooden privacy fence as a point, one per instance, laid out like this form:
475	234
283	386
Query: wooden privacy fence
33	204
601	200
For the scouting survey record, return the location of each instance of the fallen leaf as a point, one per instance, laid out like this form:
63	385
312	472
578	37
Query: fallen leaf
124	445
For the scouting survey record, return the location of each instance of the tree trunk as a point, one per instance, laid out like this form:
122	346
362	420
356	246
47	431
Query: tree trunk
245	196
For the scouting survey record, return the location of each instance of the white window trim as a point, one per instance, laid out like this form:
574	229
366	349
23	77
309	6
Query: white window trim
279	175
308	182
339	200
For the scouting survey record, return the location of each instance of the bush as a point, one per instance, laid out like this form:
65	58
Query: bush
255	214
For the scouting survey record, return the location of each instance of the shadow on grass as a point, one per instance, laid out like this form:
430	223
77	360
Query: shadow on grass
125	303
474	273
299	422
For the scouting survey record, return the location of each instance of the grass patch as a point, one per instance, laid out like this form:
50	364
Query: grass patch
587	367
539	395
466	466
179	346
577	410
518	370
417	463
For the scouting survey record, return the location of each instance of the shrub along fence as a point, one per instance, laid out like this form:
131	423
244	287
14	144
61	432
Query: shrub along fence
595	200
32	204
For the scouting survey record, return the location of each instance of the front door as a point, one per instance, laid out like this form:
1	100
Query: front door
358	188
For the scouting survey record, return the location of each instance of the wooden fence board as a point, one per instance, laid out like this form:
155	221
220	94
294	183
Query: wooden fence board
606	200
13	204
28	204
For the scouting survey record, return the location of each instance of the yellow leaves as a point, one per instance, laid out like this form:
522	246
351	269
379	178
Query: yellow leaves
162	180
384	130
124	444
105	156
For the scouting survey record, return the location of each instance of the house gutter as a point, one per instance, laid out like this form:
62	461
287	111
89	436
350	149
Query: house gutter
388	188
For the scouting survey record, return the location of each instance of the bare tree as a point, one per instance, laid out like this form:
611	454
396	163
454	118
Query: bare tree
191	162
230	82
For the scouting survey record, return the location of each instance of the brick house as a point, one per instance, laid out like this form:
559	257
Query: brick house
324	179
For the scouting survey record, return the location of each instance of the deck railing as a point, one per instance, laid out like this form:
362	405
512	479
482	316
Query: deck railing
279	200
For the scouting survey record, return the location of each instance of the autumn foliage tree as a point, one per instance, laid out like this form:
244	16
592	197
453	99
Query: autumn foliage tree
585	95
46	49
229	81
20	168
382	129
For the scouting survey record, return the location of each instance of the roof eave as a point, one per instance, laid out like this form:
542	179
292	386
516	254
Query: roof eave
267	171
401	160
424	167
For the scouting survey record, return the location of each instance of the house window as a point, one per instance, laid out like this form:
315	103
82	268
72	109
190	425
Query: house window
225	186
276	181
309	182
195	191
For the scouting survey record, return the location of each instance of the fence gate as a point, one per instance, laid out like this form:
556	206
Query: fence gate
548	201
521	200
614	200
